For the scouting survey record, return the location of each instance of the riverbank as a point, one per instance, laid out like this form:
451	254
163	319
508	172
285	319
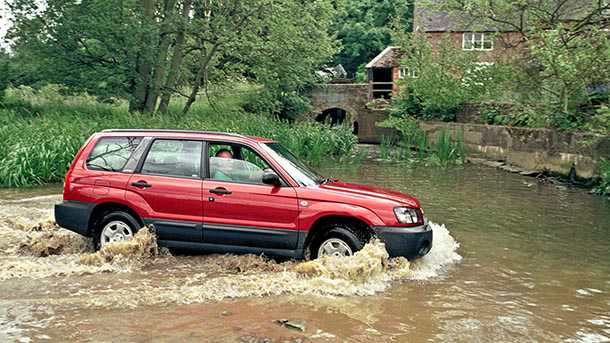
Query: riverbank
529	148
42	130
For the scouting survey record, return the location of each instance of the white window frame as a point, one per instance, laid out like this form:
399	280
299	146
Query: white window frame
407	72
472	41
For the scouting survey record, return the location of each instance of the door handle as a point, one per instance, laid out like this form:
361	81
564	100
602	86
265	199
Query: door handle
141	184
220	191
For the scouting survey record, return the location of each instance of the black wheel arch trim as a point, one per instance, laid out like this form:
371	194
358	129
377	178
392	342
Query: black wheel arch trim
74	215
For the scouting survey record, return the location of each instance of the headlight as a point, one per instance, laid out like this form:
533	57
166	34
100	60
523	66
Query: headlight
406	215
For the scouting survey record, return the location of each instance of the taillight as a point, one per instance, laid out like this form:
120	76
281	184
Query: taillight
66	186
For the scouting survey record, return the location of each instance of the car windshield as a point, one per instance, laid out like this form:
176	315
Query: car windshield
297	169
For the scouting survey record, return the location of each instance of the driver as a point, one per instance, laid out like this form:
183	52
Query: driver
227	168
223	168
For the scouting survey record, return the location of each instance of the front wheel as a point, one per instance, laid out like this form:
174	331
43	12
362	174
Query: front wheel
339	240
116	227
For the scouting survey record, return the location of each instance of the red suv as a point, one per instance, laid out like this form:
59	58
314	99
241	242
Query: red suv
223	192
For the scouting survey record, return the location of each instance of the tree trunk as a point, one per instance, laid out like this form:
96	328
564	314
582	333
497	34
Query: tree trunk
144	62
176	62
201	77
161	63
565	98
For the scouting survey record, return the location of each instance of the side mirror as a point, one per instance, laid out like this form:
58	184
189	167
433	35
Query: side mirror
271	178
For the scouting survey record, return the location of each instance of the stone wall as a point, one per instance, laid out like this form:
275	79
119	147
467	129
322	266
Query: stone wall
368	132
534	149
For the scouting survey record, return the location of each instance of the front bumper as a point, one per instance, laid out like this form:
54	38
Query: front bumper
74	216
409	242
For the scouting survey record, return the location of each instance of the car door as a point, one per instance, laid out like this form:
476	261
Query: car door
168	182
239	209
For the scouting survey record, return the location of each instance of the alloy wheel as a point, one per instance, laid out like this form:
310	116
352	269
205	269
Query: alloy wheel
115	231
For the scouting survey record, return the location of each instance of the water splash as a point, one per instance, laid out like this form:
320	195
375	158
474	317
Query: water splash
443	254
140	249
41	250
368	272
40	239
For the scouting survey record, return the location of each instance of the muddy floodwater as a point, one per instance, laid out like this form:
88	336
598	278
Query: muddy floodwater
513	261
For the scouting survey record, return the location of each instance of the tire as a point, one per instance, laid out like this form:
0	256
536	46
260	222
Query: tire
121	221
339	234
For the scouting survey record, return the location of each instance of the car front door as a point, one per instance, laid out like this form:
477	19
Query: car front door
168	184
239	209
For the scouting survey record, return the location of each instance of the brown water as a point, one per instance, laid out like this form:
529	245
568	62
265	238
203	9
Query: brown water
533	264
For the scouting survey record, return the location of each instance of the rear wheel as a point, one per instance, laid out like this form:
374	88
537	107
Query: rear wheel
116	227
338	240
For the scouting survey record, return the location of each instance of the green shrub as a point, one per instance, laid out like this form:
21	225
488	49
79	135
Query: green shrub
603	187
600	123
406	104
441	79
287	105
39	140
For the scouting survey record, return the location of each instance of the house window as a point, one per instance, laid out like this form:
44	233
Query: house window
407	72
477	41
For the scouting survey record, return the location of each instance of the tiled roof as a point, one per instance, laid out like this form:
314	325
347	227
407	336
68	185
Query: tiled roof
429	20
388	58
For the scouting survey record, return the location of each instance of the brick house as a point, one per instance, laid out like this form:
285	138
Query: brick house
501	42
383	71
490	44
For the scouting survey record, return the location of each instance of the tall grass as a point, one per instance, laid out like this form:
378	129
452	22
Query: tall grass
446	150
414	144
40	131
386	145
603	187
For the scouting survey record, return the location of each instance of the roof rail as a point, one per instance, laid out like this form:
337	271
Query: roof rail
175	131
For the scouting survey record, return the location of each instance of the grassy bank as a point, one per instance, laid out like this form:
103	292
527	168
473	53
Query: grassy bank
40	131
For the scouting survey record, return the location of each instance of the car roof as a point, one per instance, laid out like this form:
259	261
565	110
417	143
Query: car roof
184	134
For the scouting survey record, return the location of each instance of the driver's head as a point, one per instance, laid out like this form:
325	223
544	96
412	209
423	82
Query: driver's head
224	153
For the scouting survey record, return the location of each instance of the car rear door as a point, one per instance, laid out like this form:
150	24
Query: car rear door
168	184
240	210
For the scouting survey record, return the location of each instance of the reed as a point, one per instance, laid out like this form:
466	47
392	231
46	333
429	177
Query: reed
40	131
603	186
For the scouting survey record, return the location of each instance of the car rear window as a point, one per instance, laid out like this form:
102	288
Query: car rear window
177	158
112	153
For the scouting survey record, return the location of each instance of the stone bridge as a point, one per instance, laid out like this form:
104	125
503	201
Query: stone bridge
351	98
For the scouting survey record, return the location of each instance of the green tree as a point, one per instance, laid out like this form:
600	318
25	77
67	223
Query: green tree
364	28
569	64
151	50
4	73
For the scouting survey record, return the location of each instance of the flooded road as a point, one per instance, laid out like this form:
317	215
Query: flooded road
513	260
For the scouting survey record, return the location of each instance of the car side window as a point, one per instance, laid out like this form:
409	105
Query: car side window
236	163
112	153
179	158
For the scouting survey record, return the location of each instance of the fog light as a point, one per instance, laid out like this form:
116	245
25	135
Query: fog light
424	249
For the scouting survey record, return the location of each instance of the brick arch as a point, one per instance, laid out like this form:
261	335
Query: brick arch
350	97
353	99
350	116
